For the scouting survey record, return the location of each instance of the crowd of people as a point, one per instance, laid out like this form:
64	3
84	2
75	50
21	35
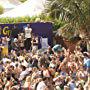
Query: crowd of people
25	67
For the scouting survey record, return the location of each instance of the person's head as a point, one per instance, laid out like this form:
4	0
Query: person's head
15	40
53	61
24	88
68	79
72	57
43	67
15	26
28	78
66	88
23	68
76	59
12	67
1	62
13	88
8	78
80	86
49	48
78	48
16	65
34	69
63	68
28	25
85	54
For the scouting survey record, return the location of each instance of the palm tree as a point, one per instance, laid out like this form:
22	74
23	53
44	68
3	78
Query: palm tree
76	13
1	9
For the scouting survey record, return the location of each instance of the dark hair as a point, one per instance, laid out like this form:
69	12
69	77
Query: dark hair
18	54
17	65
16	59
85	54
8	78
1	62
23	67
81	86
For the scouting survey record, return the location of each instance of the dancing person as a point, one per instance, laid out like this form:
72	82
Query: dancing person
34	43
28	36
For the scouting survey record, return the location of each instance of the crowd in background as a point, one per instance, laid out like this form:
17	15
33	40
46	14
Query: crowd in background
24	67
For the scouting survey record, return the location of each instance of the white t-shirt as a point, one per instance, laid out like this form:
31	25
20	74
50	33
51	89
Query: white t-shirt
28	32
44	42
41	86
23	74
46	73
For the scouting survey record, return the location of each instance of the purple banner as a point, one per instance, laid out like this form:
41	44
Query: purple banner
41	29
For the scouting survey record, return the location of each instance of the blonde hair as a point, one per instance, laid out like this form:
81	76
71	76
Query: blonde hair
28	78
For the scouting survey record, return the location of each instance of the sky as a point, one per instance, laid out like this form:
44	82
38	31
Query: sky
29	8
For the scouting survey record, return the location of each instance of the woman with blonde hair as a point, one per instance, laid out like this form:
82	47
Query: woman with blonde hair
27	83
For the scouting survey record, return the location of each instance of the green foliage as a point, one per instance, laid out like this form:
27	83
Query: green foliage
26	19
17	20
67	31
22	0
57	24
75	13
1	9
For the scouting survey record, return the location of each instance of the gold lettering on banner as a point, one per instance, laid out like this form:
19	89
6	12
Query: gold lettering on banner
6	31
